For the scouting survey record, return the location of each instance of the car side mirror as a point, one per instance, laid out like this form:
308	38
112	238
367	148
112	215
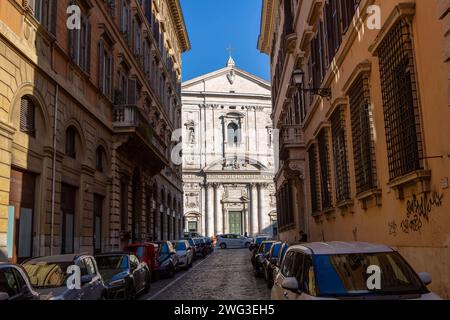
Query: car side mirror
290	284
86	279
425	277
4	296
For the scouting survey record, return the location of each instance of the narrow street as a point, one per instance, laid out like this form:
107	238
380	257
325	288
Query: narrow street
223	275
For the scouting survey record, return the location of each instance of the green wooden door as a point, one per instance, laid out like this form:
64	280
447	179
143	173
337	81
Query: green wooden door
235	222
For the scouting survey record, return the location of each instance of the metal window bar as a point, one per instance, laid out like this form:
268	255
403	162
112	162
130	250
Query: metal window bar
362	135
313	179
400	101
325	184
340	154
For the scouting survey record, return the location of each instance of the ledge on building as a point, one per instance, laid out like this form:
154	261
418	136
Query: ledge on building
345	206
329	213
290	42
366	196
418	180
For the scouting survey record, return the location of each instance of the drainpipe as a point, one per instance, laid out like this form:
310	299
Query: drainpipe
52	232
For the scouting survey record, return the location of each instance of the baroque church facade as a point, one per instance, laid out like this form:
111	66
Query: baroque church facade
228	154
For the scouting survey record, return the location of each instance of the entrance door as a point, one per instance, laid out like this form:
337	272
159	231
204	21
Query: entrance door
192	226
68	194
97	236
235	222
22	200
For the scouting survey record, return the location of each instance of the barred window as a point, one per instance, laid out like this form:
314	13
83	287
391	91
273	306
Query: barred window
71	134
340	154
400	102
313	178
325	184
362	135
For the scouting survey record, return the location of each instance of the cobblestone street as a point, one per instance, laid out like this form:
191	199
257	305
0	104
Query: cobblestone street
224	275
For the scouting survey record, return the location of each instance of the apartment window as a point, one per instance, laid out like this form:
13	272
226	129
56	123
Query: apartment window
400	102
324	163
125	15
71	142
340	154
45	11
105	69
147	58
288	19
99	157
362	135
80	45
124	203
347	10
314	178
137	38
27	116
333	28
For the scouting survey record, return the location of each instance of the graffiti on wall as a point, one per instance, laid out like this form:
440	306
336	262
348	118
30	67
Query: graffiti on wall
418	210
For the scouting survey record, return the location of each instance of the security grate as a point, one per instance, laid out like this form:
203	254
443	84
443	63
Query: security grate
313	178
340	154
400	102
362	135
325	183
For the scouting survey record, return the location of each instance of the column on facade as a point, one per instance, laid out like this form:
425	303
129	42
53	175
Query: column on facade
253	228
202	210
218	225
209	210
261	188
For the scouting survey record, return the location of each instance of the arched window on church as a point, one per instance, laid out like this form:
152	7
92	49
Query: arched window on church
233	134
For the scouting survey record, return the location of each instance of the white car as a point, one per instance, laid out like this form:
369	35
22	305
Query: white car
348	270
185	253
225	241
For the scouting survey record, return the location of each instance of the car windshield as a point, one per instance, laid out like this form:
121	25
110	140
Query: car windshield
346	275
267	246
47	275
276	250
115	264
180	246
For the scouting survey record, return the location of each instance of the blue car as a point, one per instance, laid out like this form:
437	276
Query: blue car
167	258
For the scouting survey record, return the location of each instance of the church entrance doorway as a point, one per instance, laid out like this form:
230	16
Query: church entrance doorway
235	222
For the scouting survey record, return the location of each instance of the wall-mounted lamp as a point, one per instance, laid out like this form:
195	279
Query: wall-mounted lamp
298	76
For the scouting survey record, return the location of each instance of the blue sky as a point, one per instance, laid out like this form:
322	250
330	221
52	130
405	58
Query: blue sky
214	25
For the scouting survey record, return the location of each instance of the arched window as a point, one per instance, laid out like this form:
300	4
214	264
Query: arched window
233	133
99	157
71	134
27	116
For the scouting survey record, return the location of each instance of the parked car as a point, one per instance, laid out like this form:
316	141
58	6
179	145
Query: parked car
48	275
185	253
340	270
270	262
225	241
193	246
200	247
257	241
167	258
147	252
259	256
209	245
15	284
124	275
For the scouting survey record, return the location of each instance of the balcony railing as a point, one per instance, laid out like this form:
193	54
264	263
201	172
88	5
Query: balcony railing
129	117
292	135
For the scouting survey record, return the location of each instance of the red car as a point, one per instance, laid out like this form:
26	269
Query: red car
147	252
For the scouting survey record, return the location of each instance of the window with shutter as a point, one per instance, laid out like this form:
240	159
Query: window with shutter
27	116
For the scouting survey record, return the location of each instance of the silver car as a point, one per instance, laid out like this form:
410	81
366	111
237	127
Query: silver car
348	270
225	241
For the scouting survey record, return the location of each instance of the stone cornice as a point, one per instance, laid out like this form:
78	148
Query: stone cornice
177	16
266	27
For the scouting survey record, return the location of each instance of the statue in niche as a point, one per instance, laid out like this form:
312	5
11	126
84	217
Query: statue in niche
191	138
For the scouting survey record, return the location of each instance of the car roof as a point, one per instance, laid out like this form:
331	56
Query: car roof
57	258
341	247
118	253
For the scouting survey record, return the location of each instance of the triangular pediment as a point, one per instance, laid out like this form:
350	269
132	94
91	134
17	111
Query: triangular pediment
228	80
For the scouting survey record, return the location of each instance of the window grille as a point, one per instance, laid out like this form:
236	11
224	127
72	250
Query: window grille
313	178
27	116
325	185
340	154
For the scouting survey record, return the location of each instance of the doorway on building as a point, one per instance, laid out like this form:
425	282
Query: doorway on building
192	226
21	198
68	194
98	212
235	222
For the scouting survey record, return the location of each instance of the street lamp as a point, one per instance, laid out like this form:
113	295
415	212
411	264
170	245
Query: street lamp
298	76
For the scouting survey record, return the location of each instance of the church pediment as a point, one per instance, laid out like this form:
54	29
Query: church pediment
236	165
228	80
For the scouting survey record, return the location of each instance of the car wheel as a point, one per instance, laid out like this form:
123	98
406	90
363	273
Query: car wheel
223	246
130	292
147	283
190	264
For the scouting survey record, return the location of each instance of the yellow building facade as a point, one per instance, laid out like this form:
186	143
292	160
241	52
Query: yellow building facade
361	99
86	118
